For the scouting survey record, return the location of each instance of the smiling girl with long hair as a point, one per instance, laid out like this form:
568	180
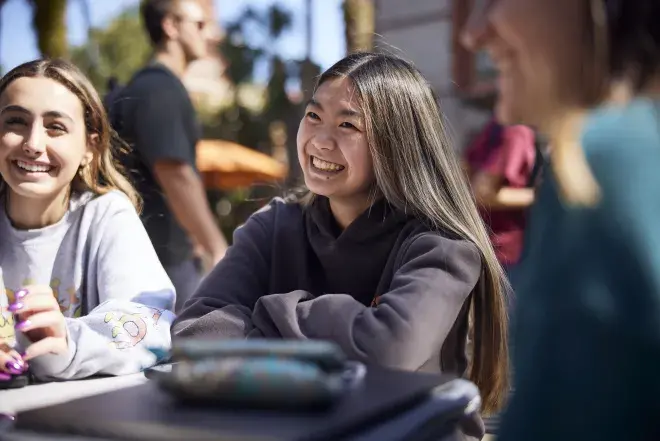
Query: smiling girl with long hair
82	278
386	256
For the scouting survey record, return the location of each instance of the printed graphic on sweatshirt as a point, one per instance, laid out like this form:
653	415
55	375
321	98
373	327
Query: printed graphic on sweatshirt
129	329
7	333
125	329
67	298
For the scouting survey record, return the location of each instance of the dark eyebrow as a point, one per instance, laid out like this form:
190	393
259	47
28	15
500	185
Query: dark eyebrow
349	112
50	114
312	102
344	112
13	108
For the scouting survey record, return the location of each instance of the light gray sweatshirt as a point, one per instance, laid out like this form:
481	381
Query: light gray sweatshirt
114	293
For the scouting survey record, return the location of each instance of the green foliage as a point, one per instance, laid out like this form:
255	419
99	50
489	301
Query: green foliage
264	27
240	57
239	124
118	50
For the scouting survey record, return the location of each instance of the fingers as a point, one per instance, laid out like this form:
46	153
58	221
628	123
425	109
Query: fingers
48	345
38	315
11	363
52	321
32	299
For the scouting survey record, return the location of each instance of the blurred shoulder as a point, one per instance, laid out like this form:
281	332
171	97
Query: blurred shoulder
625	132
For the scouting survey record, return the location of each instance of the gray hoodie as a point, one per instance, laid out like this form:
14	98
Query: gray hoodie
387	289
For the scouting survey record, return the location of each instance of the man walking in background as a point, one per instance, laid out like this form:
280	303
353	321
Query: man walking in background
155	115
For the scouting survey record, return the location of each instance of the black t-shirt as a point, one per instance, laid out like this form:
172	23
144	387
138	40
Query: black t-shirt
155	115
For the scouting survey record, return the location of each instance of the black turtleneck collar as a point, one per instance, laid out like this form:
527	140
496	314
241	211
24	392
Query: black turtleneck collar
380	218
367	244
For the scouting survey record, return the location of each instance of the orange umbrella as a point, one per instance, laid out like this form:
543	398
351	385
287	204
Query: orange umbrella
226	165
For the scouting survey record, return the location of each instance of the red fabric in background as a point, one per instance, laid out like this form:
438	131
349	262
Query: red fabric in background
512	160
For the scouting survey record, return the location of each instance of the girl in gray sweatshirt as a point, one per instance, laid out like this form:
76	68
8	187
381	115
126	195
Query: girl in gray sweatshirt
85	292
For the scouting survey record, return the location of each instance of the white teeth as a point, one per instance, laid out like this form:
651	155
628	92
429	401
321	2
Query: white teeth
33	167
325	165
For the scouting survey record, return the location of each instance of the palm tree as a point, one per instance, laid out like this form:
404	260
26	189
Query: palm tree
359	19
50	24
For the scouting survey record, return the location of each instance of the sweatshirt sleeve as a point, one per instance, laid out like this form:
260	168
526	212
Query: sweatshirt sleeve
223	304
136	298
406	326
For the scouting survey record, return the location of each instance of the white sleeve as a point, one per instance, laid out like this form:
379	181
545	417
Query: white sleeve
136	299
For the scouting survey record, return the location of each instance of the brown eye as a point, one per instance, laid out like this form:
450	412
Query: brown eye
56	128
347	125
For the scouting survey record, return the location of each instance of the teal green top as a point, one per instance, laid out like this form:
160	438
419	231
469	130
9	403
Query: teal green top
587	319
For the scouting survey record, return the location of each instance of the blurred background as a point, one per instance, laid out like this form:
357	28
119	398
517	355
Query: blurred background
253	88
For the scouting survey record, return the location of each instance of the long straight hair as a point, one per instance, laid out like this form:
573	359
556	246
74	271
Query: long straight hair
103	173
417	170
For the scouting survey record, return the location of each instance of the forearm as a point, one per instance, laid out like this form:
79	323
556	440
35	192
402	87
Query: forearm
187	199
507	198
409	323
233	321
112	340
378	335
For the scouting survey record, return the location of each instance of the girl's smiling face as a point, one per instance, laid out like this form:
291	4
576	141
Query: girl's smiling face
333	149
43	138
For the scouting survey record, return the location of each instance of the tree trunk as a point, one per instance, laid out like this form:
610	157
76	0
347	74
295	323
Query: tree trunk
50	23
2	3
359	19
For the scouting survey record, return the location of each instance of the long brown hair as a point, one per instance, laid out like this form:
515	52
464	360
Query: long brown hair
103	173
417	170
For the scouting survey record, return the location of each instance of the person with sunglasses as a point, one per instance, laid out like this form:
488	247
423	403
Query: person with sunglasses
154	114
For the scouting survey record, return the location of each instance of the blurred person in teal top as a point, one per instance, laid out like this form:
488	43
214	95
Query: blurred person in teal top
587	323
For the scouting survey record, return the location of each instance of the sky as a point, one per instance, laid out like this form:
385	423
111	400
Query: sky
18	41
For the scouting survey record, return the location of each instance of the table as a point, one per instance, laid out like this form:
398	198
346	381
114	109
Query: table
35	396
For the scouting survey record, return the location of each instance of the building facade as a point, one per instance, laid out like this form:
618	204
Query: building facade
426	32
